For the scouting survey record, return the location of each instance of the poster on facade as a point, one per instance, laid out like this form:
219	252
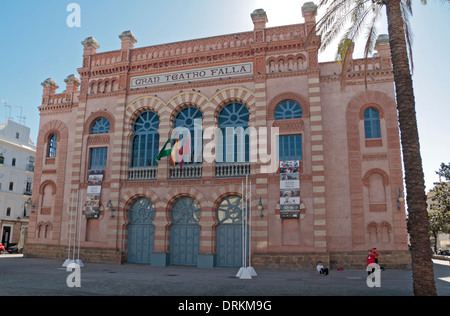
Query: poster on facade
289	189
94	189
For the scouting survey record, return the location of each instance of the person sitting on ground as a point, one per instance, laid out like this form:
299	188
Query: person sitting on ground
321	270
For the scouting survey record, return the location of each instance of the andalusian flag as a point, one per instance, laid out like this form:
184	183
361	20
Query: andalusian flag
164	151
175	154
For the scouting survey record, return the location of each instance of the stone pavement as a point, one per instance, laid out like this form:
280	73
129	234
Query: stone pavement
42	277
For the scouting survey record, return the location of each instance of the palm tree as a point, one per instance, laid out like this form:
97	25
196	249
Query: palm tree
358	12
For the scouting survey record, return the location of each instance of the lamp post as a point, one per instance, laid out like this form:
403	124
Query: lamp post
399	199
260	208
109	206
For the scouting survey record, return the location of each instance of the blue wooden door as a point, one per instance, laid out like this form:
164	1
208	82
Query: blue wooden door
229	245
141	231
184	232
229	232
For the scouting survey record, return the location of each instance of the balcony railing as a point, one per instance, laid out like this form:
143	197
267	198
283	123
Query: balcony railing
187	172
142	174
221	170
226	170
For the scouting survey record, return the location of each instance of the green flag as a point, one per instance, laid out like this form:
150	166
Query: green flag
164	152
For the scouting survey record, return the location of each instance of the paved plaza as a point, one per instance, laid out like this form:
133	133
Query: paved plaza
27	276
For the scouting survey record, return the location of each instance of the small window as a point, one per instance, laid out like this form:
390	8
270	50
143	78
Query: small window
98	158
290	147
8	211
372	123
17	135
11	186
2	159
51	151
100	126
13	163
288	110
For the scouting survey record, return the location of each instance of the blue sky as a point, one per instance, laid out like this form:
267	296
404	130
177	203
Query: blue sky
37	44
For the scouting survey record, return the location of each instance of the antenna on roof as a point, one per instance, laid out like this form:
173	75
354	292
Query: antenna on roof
9	106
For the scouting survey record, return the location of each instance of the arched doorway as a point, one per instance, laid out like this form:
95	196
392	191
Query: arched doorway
229	232
141	231
184	232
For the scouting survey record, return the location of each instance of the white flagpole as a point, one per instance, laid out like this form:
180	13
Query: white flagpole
243	272
246	219
250	229
251	270
76	229
69	210
79	262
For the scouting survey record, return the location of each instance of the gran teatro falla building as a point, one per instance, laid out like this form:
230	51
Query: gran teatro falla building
332	193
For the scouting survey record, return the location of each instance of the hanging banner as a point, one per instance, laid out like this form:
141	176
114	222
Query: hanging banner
290	189
94	189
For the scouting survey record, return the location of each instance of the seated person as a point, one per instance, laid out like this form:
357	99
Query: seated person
321	270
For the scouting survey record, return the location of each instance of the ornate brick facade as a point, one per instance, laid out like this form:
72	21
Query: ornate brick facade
349	184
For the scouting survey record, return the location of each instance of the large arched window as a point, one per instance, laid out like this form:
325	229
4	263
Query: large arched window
233	122
372	123
100	126
187	118
51	149
288	109
146	140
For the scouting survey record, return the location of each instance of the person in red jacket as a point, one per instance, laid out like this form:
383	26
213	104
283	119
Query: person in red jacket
371	260
376	254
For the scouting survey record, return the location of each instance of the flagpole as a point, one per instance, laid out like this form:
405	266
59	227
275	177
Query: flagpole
243	271
246	219
250	268
69	210
76	229
78	261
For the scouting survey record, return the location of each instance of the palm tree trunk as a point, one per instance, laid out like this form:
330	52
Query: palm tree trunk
418	223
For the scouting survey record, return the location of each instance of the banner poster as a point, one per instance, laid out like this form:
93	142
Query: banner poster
94	189
290	189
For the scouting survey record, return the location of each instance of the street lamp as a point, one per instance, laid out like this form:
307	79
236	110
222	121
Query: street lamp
109	206
260	208
29	203
399	199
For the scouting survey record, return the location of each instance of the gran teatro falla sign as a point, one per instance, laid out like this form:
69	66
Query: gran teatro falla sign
191	75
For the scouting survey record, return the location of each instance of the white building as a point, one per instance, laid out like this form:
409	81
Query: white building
17	154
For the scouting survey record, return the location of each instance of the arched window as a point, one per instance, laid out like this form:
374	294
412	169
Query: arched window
187	118
100	126
51	150
233	122
372	123
229	210
146	140
185	210
288	110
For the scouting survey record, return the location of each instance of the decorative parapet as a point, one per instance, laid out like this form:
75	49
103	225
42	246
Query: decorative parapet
72	79
90	42
309	7
128	35
50	83
259	14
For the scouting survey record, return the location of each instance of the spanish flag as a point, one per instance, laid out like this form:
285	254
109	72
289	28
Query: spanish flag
176	150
